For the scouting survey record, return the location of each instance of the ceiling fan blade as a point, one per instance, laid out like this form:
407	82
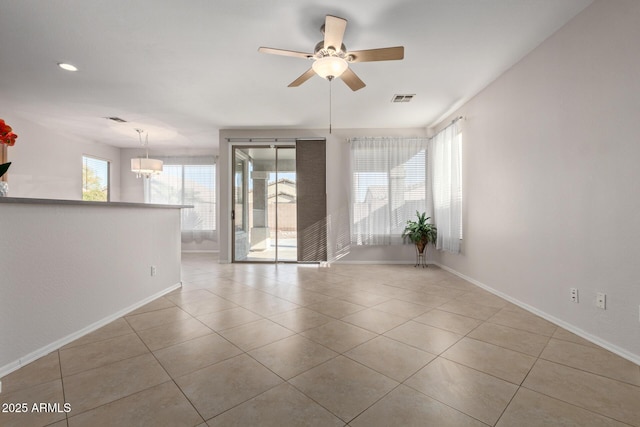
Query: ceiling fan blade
303	78
334	31
383	54
352	80
284	52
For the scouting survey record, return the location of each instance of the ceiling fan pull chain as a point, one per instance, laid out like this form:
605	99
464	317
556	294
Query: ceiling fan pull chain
330	102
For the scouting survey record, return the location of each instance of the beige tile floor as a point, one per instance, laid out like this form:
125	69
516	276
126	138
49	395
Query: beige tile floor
293	345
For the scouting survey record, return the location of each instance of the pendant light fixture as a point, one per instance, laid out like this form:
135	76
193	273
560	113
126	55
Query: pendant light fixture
144	166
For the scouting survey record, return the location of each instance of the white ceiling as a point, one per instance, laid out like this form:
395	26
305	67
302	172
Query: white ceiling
182	70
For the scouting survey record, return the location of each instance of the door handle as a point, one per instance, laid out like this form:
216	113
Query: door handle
233	215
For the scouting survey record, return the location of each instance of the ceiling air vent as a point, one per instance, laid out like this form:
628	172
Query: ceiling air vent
116	119
402	98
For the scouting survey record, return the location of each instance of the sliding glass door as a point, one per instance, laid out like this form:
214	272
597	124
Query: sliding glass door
265	204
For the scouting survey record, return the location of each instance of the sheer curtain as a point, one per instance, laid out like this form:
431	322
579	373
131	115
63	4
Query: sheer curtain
388	186
445	153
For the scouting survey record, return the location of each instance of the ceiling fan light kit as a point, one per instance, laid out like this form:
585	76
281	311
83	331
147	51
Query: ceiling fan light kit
330	67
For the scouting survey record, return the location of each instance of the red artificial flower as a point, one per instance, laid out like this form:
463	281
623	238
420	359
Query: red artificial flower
4	128
9	139
6	134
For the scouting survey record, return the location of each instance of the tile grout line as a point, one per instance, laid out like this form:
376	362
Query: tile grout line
522	382
574	405
343	353
121	360
170	378
433	397
64	397
483	322
487	321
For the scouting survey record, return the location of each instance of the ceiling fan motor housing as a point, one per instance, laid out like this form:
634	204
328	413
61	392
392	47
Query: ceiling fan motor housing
321	52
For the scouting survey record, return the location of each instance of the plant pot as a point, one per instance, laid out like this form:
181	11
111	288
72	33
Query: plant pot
421	246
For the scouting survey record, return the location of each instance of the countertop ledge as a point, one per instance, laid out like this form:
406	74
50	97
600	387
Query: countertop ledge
24	200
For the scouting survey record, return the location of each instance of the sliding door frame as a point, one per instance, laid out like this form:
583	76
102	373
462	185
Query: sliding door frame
242	146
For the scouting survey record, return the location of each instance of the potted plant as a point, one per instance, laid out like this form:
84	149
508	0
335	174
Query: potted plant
420	232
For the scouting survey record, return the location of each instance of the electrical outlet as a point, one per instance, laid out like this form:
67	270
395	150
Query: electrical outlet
601	300
153	270
573	294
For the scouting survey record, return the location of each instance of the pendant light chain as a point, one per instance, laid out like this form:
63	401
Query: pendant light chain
144	166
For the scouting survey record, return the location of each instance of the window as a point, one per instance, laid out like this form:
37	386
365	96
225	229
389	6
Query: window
191	182
388	186
95	179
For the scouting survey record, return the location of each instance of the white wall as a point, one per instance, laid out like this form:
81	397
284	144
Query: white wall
67	268
48	165
338	183
551	177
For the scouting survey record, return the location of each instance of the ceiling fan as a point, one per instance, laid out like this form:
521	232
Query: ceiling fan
331	58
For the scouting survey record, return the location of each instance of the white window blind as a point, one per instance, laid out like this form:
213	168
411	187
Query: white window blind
388	186
95	179
188	181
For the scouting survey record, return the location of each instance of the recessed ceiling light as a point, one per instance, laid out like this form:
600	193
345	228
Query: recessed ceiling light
67	67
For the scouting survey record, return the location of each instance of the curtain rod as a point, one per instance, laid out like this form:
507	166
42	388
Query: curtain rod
348	140
386	137
262	139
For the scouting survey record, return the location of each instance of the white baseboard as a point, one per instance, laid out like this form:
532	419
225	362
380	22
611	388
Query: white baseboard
43	351
381	262
569	327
